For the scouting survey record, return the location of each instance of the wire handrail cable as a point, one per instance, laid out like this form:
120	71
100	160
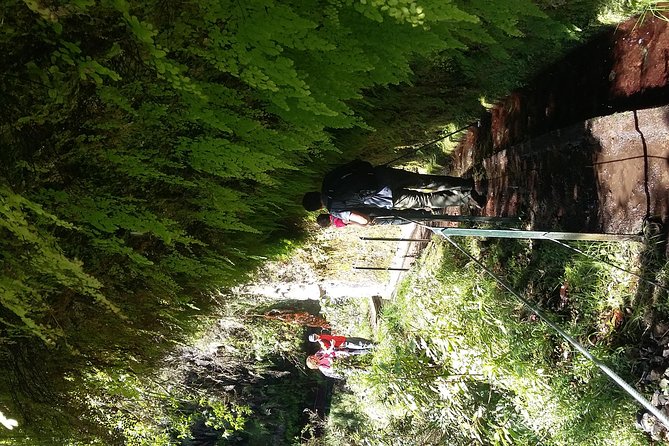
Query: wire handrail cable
603	367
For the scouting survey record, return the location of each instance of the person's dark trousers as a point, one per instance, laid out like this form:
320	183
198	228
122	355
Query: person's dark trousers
353	343
390	220
398	179
411	199
358	351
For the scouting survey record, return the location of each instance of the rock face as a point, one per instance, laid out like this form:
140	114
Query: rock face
585	147
606	174
631	167
639	54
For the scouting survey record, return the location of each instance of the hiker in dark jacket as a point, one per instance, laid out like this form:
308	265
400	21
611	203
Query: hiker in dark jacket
360	188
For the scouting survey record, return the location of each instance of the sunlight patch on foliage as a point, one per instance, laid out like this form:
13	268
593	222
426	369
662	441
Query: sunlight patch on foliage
612	13
458	353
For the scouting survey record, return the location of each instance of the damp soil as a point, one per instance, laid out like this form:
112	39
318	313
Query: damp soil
585	148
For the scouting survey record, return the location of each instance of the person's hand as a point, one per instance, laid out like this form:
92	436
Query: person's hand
330	348
358	219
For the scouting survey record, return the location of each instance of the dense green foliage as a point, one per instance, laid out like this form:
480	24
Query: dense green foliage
151	152
461	360
237	384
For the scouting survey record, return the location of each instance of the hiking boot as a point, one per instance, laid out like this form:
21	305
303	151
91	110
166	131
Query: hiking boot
477	201
482	186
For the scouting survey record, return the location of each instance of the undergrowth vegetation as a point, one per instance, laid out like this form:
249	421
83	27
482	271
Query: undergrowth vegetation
152	152
462	360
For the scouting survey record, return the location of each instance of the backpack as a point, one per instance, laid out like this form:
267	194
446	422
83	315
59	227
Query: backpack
350	182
